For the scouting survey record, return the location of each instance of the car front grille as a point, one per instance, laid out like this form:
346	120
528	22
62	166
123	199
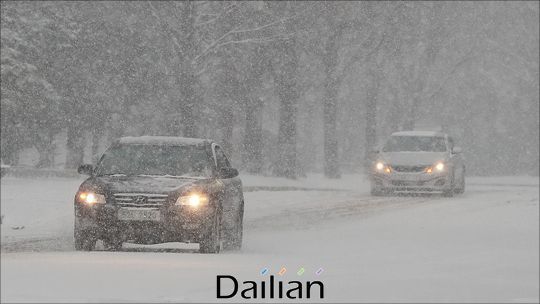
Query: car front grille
407	183
140	199
409	168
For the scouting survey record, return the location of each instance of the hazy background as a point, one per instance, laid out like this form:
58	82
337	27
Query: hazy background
286	87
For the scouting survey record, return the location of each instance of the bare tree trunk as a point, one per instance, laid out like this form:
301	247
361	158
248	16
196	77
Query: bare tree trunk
285	79
330	59
44	143
97	134
226	125
228	91
253	143
10	149
10	141
533	123
395	112
371	114
412	115
331	162
286	165
187	104
119	120
435	30
252	152
187	79
75	147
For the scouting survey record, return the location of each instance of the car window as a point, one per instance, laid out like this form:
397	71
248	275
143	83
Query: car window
192	161
222	161
415	144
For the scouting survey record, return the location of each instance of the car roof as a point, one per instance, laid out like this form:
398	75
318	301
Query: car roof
419	133
162	141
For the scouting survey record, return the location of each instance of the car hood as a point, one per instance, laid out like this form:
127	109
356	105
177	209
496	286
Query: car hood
144	184
412	158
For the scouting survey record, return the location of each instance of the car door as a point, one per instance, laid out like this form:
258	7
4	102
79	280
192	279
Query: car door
232	187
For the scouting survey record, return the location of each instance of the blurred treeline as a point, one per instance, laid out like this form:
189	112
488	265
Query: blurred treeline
286	87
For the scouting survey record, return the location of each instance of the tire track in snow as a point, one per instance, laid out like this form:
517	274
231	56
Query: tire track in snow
298	216
356	207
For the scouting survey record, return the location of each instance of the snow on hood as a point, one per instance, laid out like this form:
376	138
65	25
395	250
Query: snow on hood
144	184
412	158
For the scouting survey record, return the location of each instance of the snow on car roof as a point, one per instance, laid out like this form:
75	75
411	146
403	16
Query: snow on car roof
162	140
417	133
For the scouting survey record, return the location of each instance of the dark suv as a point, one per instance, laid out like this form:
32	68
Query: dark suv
155	189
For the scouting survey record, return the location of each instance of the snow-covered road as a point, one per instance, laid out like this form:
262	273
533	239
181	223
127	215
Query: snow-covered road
480	246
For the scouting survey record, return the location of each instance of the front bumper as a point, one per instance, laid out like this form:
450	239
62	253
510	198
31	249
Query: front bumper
175	224
411	182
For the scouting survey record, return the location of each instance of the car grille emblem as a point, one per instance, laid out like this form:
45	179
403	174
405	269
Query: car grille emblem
140	200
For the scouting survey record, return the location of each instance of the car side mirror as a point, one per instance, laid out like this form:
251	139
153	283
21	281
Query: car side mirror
228	172
456	150
86	169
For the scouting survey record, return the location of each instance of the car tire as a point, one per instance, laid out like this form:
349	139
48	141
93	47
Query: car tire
85	241
113	244
461	188
235	240
376	191
211	241
450	192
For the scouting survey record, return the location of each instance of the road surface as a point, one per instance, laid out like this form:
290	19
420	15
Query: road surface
482	246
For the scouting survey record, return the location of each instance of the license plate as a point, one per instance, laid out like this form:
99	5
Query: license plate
406	177
139	214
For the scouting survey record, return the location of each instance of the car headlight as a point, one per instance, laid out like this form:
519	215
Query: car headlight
91	198
438	167
382	167
193	200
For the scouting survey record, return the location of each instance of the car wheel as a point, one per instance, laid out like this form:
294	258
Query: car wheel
235	241
211	241
461	188
450	192
113	244
84	241
376	191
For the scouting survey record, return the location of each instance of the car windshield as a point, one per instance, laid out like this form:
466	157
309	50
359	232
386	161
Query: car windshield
189	161
415	144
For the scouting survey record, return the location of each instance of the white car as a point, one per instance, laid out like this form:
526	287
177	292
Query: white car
418	161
